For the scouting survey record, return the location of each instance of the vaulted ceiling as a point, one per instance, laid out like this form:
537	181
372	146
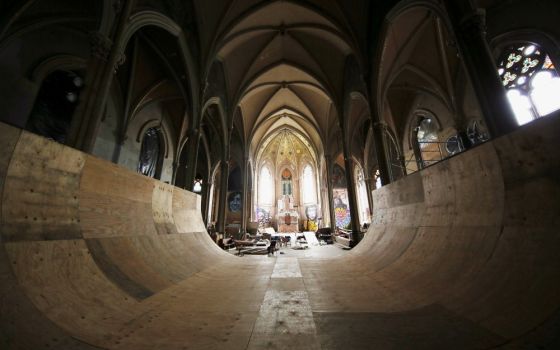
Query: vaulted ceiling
284	62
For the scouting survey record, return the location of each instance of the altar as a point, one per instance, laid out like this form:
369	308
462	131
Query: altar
287	218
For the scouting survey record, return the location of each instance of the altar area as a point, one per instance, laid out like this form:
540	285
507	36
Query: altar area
287	218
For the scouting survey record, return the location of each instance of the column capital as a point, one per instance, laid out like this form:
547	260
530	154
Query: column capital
192	132
380	125
100	45
120	59
473	24
118	6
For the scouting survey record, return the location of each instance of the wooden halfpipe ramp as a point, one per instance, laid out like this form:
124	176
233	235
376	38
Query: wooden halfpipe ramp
461	255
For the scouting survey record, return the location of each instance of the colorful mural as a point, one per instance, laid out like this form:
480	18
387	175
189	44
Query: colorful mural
311	214
234	202
341	208
263	217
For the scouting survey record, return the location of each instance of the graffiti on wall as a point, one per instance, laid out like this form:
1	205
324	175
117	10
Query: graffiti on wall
234	202
311	214
341	208
263	217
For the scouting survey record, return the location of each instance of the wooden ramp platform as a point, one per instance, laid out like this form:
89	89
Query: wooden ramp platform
463	255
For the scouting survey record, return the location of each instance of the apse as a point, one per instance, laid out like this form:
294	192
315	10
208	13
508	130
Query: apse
286	176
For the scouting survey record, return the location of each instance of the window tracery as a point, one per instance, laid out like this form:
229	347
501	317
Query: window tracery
531	80
197	187
150	152
428	149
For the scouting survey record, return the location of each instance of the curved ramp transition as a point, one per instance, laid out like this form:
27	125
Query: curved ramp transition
462	255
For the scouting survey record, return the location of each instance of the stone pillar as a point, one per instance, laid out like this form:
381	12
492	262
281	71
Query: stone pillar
367	181
118	148
352	197
329	163
380	152
204	202
470	30
417	151
193	143
224	174
206	209
245	201
254	195
106	56
175	166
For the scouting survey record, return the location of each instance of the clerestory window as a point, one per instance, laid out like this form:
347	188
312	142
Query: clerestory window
531	81
309	192
266	186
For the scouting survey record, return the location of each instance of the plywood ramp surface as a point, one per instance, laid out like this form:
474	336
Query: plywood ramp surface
461	255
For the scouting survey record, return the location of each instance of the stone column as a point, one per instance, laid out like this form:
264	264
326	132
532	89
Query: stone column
206	209
204	202
176	164
193	143
329	163
417	151
105	58
352	197
470	30
254	195
245	201
367	181
380	152
224	174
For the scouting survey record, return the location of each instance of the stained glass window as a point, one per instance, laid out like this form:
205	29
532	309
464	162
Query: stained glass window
377	177
197	187
56	101
149	153
427	132
309	192
361	191
531	81
286	182
427	137
476	132
266	186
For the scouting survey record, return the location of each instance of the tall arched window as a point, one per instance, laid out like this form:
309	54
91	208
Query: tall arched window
197	186
531	81
150	160
426	137
309	186
53	110
361	191
210	203
266	187
286	182
377	177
